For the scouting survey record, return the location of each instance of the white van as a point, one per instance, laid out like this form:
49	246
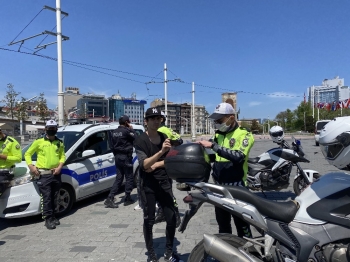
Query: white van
318	127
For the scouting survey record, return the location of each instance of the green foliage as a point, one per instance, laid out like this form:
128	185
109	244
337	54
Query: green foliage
41	107
21	112
255	128
10	101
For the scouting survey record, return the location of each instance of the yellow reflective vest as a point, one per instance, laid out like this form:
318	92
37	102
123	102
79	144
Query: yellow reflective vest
49	153
10	148
226	171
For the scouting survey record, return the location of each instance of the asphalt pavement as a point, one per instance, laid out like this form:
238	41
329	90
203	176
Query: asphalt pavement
91	232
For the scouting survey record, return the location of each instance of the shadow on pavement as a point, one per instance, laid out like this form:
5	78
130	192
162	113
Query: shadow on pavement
159	246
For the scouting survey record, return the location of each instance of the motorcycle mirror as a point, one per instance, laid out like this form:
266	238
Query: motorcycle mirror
297	142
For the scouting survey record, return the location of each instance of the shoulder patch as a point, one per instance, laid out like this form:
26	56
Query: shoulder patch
232	142
18	146
245	142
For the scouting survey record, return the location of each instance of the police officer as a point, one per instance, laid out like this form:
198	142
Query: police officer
10	153
175	140
151	149
232	145
47	170
122	143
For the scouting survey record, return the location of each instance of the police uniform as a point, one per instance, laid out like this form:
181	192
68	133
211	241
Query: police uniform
122	143
49	155
12	150
230	168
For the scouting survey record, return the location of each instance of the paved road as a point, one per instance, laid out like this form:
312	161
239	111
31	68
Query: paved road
93	233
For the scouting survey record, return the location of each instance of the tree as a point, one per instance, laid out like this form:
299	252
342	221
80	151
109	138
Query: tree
255	127
10	101
21	112
41	107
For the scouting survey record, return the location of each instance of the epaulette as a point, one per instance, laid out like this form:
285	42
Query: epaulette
10	139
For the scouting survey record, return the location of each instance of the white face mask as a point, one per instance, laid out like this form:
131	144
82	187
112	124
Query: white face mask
222	127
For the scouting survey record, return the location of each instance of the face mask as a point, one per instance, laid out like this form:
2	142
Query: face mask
222	127
51	132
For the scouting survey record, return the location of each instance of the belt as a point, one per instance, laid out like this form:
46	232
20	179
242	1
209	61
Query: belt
45	171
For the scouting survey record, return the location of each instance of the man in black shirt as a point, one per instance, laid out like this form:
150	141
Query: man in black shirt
122	145
151	149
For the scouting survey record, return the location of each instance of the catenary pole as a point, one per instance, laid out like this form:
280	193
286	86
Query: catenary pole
60	64
193	120
165	95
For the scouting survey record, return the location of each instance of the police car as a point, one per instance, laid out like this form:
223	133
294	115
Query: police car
89	170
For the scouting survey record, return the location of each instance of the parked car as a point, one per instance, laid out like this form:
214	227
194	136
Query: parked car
89	170
318	127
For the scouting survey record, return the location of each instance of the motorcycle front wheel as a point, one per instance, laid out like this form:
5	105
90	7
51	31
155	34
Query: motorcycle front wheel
299	183
198	252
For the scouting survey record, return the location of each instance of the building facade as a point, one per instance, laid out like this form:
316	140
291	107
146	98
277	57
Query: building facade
92	105
70	99
132	107
330	91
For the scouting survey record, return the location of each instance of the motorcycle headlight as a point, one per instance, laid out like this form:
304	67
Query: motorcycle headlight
21	180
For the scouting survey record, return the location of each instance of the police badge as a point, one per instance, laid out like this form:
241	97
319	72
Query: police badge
245	142
232	142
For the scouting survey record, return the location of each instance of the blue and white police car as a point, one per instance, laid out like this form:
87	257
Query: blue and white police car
89	170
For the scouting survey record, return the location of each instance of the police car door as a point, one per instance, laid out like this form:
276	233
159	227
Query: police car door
89	171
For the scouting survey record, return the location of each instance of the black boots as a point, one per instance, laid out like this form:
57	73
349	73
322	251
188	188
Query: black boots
50	223
56	221
110	203
128	200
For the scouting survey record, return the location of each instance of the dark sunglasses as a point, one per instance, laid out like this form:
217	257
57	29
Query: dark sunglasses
221	120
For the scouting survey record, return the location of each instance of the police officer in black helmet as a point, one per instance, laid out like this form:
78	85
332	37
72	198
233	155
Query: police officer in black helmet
122	144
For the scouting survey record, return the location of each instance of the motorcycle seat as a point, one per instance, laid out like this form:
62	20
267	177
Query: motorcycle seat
281	211
253	160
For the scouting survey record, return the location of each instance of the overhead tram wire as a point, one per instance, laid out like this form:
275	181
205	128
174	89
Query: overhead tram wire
28	24
84	66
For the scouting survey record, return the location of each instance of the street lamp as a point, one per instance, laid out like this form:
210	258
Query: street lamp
21	120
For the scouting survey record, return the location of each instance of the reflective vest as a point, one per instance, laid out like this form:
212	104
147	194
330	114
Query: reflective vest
10	148
49	153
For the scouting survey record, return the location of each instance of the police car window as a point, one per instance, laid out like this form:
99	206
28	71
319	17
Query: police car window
138	131
97	142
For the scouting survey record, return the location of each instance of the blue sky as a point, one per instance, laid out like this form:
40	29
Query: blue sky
269	51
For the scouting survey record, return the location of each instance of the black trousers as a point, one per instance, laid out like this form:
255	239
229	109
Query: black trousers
223	218
5	179
49	187
152	192
124	167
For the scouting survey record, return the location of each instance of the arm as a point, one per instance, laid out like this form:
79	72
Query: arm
146	162
57	170
17	153
28	157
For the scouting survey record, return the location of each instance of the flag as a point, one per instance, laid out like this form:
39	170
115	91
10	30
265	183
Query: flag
334	106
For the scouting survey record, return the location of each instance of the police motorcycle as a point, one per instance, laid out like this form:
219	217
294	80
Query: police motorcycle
314	227
271	170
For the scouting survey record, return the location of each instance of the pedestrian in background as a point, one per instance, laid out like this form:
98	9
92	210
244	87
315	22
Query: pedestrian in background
232	145
10	154
151	149
122	145
47	171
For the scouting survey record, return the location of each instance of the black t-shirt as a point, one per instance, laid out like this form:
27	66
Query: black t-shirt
145	149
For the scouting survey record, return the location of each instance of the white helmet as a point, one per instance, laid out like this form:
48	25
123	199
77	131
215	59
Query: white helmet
276	134
335	142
